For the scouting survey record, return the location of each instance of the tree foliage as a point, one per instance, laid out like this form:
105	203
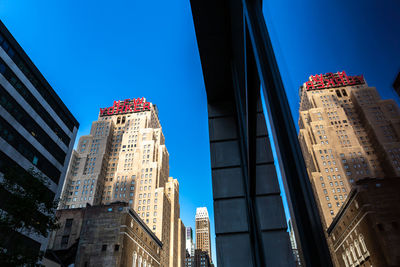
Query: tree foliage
28	207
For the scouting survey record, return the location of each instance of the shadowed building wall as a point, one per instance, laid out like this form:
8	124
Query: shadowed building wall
366	231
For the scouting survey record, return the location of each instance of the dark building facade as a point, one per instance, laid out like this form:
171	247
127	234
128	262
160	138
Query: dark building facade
200	259
396	84
106	235
37	131
366	232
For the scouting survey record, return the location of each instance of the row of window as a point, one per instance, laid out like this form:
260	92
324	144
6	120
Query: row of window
13	138
354	254
336	197
338	190
329	178
19	114
32	101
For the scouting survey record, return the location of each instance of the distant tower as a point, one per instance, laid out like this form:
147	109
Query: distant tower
203	239
189	241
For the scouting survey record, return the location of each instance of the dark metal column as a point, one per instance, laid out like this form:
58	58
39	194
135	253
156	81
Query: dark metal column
301	199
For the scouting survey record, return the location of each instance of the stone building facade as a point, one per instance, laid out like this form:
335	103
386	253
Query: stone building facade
347	132
124	158
106	235
366	230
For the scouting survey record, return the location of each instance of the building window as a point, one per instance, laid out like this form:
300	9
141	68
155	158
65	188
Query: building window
68	223
104	248
64	240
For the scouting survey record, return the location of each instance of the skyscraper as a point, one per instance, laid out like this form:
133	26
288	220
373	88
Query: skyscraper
37	131
189	241
346	133
203	237
124	158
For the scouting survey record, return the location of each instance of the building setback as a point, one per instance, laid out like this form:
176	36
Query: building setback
124	158
36	129
203	236
346	133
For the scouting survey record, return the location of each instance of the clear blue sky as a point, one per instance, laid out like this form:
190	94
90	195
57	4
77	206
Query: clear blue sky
94	52
312	37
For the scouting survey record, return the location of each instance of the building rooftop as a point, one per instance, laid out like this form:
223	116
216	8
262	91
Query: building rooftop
201	212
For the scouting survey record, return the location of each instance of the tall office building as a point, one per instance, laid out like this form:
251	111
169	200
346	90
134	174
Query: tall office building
36	129
189	241
346	133
124	158
203	237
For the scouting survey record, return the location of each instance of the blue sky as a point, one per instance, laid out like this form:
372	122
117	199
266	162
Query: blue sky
312	37
94	52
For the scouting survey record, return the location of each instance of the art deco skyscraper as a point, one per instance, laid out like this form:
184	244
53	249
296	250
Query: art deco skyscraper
346	133
203	237
125	159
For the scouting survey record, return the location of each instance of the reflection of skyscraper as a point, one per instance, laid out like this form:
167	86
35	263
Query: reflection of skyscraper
293	243
346	133
203	237
124	158
189	241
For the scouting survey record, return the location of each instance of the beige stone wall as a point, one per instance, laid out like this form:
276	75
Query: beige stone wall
71	230
182	244
111	236
87	169
172	187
